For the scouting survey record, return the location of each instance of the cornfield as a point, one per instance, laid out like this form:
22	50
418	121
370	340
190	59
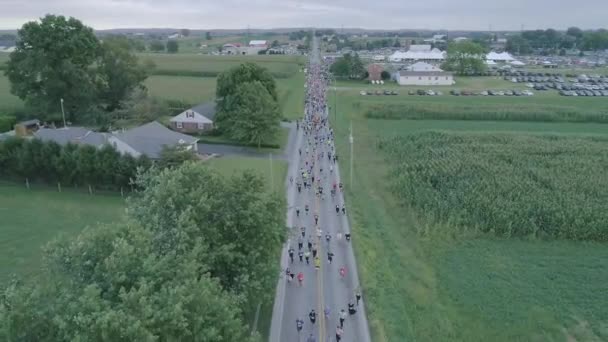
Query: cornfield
511	185
493	112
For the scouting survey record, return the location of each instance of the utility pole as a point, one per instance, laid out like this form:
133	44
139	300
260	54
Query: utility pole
271	173
63	114
350	140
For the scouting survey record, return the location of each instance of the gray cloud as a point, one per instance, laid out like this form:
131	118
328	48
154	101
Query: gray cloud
376	14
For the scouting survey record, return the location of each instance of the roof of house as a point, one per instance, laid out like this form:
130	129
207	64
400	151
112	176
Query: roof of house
257	42
433	54
150	138
232	45
422	66
29	122
420	48
424	73
74	135
191	116
206	109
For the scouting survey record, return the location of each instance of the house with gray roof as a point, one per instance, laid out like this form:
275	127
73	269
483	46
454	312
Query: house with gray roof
197	119
151	138
148	139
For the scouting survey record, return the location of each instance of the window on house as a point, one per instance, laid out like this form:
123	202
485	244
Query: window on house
446	78
201	125
420	78
436	78
179	124
430	78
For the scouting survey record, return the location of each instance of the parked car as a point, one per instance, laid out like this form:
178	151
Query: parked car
430	92
394	92
363	92
411	92
420	92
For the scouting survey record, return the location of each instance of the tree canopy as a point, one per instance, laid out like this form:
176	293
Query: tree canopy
348	66
195	251
58	58
52	61
254	115
465	58
247	107
550	40
172	46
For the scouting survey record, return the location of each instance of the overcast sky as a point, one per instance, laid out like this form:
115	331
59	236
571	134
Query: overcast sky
372	14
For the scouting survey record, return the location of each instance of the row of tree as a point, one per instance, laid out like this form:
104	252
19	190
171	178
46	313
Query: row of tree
247	104
61	59
551	41
69	165
196	252
158	46
348	66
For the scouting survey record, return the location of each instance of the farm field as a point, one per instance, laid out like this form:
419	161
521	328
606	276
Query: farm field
462	288
31	218
207	63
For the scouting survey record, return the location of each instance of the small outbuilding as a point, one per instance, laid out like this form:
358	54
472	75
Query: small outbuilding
375	72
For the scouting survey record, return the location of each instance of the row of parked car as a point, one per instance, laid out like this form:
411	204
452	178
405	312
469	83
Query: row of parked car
378	92
583	92
492	93
422	92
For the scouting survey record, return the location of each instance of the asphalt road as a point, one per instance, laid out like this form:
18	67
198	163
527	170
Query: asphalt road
241	151
322	288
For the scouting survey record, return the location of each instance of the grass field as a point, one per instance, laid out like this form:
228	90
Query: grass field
31	218
445	289
229	165
196	90
208	63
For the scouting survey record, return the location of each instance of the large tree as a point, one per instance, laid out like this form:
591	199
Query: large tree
233	224
465	58
228	81
109	284
119	72
253	115
172	46
52	61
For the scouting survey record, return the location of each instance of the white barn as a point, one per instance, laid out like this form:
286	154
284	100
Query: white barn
425	78
423	66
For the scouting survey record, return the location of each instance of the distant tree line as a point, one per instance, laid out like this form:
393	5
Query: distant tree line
348	66
70	165
551	41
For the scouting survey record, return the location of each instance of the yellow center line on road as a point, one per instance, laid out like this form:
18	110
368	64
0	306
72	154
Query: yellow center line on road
320	292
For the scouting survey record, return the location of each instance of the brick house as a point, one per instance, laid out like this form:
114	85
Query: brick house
193	121
375	72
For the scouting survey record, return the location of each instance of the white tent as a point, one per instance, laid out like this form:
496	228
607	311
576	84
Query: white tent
499	57
517	63
490	62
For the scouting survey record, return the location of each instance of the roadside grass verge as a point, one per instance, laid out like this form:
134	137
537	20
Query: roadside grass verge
443	288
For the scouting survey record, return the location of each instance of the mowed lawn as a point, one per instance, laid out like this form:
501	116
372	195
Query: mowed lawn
484	289
274	176
31	218
209	63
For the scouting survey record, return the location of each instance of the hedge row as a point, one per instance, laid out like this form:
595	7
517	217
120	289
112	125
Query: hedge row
70	165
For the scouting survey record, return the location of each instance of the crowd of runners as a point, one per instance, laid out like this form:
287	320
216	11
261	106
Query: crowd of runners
315	242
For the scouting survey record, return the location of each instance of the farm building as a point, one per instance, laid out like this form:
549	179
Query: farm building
375	72
425	78
422	66
258	44
195	120
232	49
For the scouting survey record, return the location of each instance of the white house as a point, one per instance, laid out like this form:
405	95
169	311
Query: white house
258	44
379	58
425	78
422	66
